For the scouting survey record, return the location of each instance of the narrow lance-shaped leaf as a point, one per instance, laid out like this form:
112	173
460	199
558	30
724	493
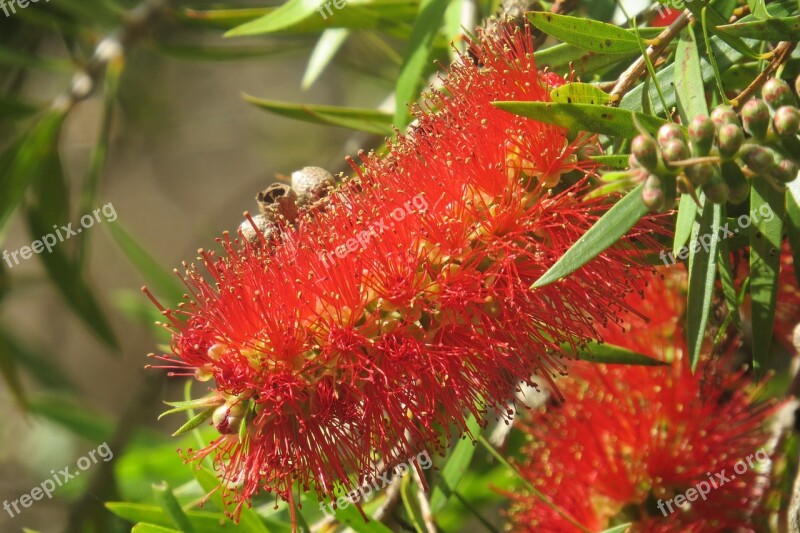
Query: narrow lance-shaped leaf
455	468
767	209
287	15
196	421
368	120
585	33
611	226
166	499
793	226
416	58
585	117
702	273
610	354
774	29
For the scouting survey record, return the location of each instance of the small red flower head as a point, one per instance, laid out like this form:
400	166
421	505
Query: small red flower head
630	443
375	326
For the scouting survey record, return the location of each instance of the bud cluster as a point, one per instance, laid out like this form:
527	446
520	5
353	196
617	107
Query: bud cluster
720	154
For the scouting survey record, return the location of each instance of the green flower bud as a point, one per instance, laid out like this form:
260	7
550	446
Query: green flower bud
699	174
669	131
757	158
786	121
731	138
785	170
777	93
755	117
675	150
722	115
716	190
701	134
644	149
653	194
738	186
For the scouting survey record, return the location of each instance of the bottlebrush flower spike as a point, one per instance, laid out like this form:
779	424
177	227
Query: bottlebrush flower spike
629	439
400	305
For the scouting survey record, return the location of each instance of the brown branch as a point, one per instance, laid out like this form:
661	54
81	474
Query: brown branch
654	51
780	55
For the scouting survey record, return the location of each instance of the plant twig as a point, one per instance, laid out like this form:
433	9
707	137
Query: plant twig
110	49
654	51
424	504
780	55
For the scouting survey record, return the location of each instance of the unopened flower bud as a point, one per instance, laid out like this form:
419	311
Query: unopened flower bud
731	138
785	170
227	418
674	150
757	158
655	196
716	190
264	226
777	93
738	186
786	121
699	174
723	114
701	134
668	132
755	117
587	151
311	184
644	149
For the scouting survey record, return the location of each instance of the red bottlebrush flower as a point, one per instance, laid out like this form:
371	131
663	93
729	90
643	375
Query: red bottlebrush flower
384	318
629	439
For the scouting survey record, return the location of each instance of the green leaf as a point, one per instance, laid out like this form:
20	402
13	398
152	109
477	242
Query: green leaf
367	120
10	372
585	117
413	512
702	273
166	499
611	226
79	420
793	225
329	43
759	10
619	161
765	255
138	512
196	421
13	109
45	370
151	528
178	407
163	282
455	468
48	208
578	93
622	528
691	93
586	33
585	61
613	355
687	210
249	519
416	58
774	29
25	165
283	17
